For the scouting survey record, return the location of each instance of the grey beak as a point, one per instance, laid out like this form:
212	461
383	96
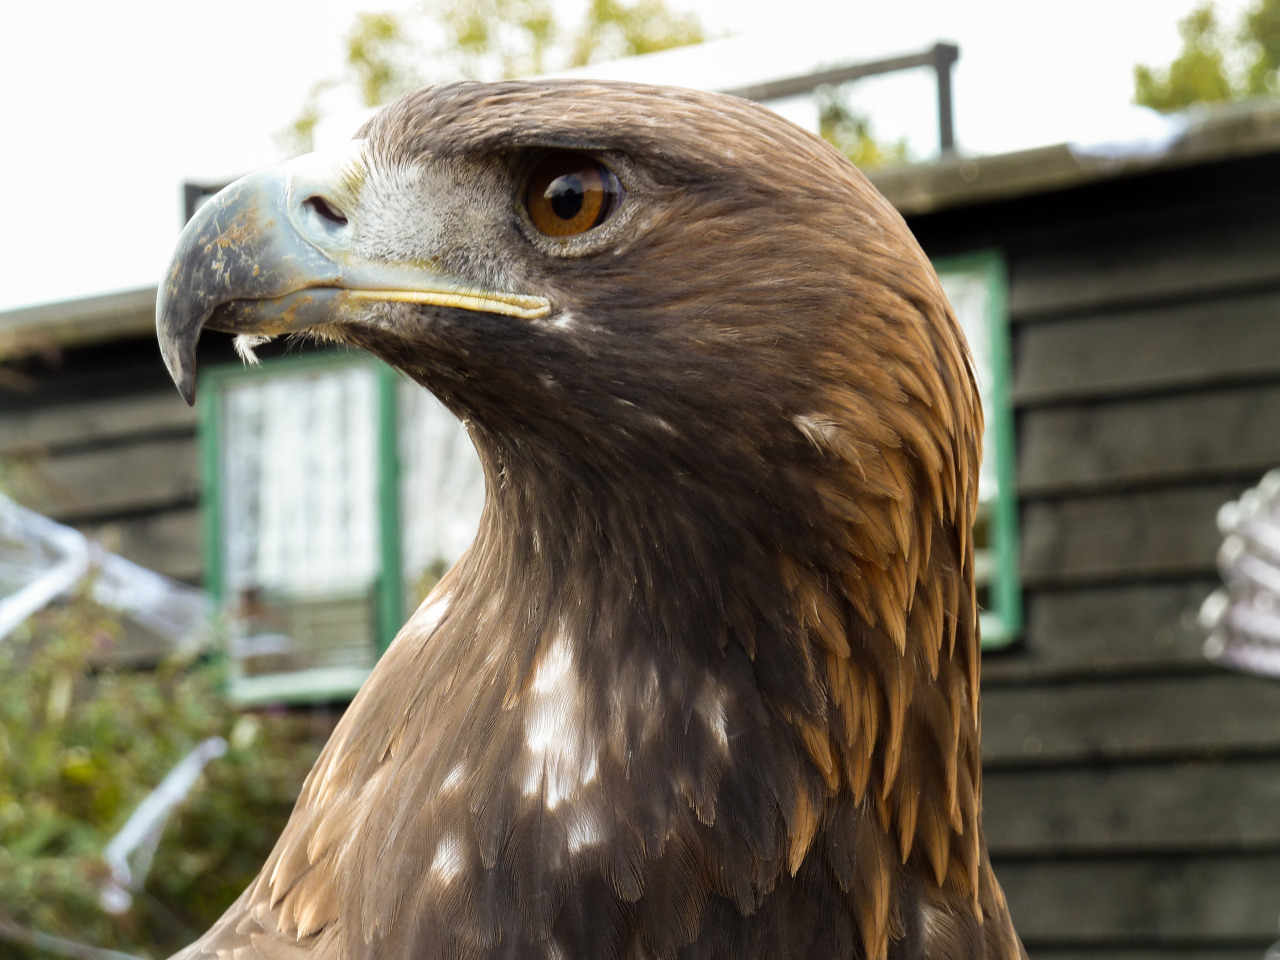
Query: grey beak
277	252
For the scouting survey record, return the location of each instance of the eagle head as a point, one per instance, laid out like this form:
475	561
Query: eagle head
706	684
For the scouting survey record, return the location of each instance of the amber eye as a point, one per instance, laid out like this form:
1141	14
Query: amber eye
569	193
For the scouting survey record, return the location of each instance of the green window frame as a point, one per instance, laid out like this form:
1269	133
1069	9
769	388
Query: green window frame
977	284
308	685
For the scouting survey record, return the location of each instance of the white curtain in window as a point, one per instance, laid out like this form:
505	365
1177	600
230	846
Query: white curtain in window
441	483
300	482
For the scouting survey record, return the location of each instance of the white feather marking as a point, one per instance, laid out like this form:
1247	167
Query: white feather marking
449	859
432	611
585	828
564	321
454	779
560	752
820	430
711	707
643	689
555	667
664	425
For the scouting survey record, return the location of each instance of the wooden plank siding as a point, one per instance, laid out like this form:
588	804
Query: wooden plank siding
1120	810
1132	796
1203	906
98	438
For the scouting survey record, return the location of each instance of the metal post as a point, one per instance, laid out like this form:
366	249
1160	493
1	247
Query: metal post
944	57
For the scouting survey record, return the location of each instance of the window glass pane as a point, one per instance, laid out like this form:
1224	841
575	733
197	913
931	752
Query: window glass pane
970	294
299	518
441	490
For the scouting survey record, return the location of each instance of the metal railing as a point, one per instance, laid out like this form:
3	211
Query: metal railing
941	57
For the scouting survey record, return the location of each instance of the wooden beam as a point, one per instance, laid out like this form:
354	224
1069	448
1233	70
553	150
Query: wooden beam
1158	349
95	483
1161	533
41	429
1201	436
1170	258
1159	718
1143	908
1118	630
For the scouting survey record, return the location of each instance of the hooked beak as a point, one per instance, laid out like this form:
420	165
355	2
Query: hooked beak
275	252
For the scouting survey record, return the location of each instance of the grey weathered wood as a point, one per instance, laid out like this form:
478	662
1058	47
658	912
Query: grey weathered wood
1160	533
1105	630
1168	807
1179	716
1179	257
91	320
1096	447
167	543
98	482
1144	900
39	428
1127	353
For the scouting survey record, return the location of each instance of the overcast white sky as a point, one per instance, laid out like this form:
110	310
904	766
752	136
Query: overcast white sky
105	108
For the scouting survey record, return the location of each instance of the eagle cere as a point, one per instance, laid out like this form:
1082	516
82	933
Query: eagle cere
706	684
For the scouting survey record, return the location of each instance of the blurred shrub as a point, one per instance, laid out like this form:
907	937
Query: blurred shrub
82	745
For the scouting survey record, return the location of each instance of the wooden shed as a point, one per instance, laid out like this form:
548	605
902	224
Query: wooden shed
1132	789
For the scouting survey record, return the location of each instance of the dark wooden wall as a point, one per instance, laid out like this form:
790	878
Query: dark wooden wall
1133	789
99	439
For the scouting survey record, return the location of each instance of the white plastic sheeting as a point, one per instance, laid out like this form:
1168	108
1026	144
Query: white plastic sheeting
41	560
1243	617
130	851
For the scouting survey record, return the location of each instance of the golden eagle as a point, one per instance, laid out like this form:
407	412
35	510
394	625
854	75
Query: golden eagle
706	684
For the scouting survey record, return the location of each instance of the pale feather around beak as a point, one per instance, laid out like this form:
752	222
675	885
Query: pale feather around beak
275	252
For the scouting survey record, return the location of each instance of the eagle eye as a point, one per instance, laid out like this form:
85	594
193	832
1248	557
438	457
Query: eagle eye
569	193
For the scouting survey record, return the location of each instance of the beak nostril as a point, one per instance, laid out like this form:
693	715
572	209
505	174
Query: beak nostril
326	211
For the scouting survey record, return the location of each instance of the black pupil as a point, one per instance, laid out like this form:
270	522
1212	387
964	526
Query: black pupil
565	194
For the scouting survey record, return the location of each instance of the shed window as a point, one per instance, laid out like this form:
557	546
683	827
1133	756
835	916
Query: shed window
976	286
320	474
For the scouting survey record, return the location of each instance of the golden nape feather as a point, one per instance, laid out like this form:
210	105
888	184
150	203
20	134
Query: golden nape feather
706	684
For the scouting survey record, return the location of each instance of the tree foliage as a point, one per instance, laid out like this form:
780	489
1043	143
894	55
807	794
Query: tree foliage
388	53
612	30
1216	64
82	744
850	132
